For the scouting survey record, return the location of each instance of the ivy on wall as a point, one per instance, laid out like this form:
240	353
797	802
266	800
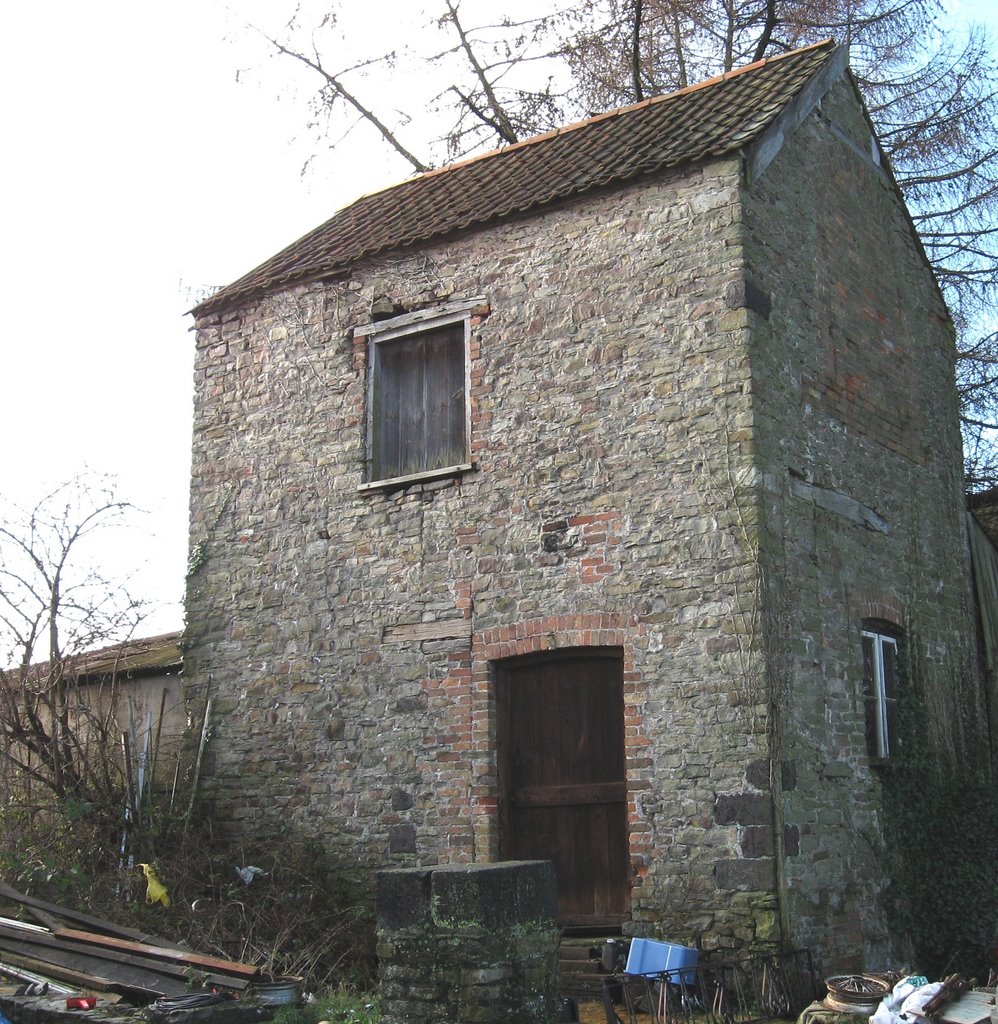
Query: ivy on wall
941	825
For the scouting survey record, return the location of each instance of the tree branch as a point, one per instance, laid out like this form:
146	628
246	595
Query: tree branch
341	90
636	51
499	120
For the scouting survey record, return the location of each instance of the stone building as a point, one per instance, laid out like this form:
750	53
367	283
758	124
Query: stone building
581	501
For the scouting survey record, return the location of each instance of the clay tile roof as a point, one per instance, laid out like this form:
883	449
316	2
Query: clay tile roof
710	119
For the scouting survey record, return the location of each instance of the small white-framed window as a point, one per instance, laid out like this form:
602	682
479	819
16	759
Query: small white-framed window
880	662
418	395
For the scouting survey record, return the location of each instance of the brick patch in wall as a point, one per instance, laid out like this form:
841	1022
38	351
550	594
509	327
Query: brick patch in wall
589	543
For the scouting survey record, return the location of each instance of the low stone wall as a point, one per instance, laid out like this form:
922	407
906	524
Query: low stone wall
468	944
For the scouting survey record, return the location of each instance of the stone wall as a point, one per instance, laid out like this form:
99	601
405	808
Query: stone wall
611	406
857	430
468	945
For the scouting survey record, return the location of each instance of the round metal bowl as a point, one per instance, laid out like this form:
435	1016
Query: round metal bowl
856	993
278	992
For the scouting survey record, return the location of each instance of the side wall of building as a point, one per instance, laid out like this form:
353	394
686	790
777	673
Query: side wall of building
351	638
857	428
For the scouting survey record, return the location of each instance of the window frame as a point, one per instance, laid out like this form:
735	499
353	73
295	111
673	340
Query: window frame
395	330
880	699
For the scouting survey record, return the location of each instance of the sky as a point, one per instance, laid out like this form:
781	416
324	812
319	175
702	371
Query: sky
153	152
139	174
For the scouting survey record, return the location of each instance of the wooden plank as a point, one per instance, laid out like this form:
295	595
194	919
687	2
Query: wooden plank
136	969
571	795
970	1008
439	629
71	915
78	979
11	967
423	475
159	953
126	976
46	919
476	306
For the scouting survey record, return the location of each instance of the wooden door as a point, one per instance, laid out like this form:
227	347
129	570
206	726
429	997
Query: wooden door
562	779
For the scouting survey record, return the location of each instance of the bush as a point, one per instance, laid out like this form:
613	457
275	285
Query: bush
52	853
300	914
339	1007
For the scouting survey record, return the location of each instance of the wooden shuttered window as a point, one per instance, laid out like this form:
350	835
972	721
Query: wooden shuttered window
419	415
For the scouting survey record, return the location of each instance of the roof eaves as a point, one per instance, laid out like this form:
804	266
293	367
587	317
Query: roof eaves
334	268
137	656
401	243
321	255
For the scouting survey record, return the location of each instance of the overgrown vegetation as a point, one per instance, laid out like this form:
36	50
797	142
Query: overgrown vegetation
299	913
85	795
945	880
941	829
336	1007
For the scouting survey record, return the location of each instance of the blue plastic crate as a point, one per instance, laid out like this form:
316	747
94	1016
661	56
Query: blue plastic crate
649	956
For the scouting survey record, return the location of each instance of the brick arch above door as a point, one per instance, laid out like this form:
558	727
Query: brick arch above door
553	633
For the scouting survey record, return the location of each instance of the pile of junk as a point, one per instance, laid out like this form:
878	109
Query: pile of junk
652	982
64	962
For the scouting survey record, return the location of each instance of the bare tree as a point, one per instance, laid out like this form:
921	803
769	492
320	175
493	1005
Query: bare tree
498	82
54	606
494	105
334	93
978	384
